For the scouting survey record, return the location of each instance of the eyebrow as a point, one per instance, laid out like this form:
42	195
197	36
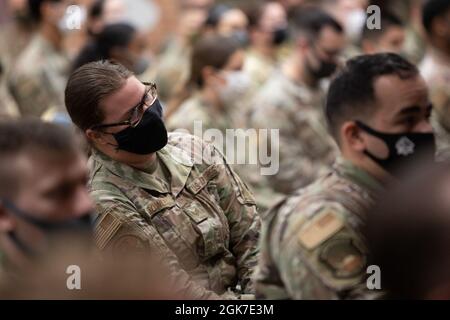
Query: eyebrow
413	110
140	102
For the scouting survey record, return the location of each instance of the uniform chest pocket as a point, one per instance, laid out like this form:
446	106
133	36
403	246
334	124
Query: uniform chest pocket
207	215
209	227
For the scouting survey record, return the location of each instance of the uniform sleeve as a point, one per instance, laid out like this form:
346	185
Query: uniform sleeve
303	145
120	230
323	259
34	94
239	206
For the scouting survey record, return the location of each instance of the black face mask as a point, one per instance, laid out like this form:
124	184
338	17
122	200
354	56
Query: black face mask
405	149
326	69
149	136
280	36
75	226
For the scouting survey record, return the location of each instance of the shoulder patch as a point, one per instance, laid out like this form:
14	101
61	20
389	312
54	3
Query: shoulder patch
128	244
320	229
343	257
106	227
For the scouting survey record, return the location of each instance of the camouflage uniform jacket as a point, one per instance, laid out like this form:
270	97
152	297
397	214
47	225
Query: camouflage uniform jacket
310	246
435	68
38	79
305	147
198	215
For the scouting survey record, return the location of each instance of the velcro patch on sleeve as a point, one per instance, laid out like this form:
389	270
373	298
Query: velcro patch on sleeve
320	229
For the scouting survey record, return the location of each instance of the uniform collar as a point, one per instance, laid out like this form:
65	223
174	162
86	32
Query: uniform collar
176	160
348	170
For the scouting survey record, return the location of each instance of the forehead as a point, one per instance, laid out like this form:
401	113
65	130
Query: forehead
273	13
393	93
41	171
330	38
122	100
234	17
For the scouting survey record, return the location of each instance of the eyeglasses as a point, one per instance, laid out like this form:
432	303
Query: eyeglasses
137	112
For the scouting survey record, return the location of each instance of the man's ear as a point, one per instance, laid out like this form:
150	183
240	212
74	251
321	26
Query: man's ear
440	26
350	135
95	136
6	221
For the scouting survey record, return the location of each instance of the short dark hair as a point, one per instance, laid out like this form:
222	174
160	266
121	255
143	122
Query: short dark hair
310	20
29	135
432	9
351	94
88	85
34	8
387	20
254	12
114	35
213	51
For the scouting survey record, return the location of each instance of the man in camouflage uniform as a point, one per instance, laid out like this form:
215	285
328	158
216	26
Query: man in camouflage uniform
38	78
292	102
311	248
173	195
43	193
435	68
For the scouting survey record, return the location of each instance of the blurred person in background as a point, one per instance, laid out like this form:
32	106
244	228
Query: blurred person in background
410	13
351	15
378	112
120	42
408	236
268	31
171	71
15	33
436	69
217	85
38	78
169	191
292	101
390	38
102	13
227	21
43	193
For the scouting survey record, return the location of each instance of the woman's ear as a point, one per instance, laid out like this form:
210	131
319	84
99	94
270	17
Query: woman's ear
95	136
350	136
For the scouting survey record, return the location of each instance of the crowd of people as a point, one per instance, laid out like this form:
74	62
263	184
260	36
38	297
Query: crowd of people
118	148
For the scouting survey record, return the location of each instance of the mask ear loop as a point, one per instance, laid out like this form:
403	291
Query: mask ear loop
116	146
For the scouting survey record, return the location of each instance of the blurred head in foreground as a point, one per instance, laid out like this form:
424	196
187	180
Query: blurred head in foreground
408	234
43	193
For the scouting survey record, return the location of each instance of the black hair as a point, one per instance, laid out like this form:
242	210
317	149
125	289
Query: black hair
310	21
351	93
432	9
116	35
213	51
387	20
96	9
216	13
34	8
